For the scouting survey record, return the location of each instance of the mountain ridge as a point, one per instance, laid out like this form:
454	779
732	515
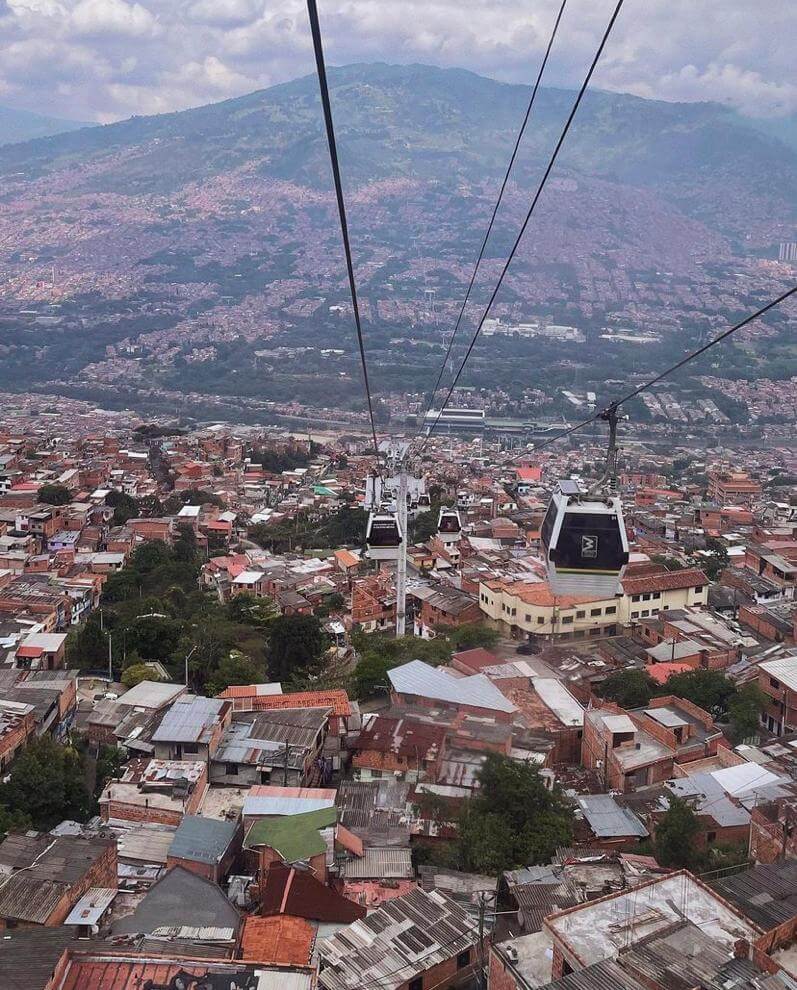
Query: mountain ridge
431	121
19	126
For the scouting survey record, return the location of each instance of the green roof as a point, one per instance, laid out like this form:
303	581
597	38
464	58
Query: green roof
323	490
294	837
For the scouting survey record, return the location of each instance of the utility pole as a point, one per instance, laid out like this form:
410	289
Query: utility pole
110	658
482	907
401	563
188	656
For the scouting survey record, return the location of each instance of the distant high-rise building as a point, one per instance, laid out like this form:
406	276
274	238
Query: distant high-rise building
787	251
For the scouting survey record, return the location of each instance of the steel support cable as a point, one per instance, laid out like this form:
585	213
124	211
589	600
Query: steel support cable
540	187
318	47
616	403
498	202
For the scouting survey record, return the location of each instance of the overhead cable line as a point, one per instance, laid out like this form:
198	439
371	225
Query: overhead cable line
498	202
616	403
525	224
318	47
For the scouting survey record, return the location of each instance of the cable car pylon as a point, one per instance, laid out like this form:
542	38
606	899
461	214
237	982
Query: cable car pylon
386	536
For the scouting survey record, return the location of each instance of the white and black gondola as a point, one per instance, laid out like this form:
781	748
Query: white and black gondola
449	525
585	542
383	538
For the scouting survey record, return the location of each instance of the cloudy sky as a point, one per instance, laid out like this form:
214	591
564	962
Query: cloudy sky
107	59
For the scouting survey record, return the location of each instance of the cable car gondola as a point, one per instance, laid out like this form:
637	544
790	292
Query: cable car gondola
449	525
383	537
585	542
424	501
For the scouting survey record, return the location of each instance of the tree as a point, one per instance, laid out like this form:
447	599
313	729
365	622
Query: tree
296	644
150	506
708	689
191	496
138	672
54	495
472	635
48	784
185	549
154	637
513	821
485	842
87	646
628	688
124	507
252	610
675	835
744	711
235	668
714	565
13	821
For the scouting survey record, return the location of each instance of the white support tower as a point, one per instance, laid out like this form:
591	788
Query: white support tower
401	563
397	458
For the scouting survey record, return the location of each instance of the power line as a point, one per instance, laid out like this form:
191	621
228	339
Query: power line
664	374
315	28
501	191
533	206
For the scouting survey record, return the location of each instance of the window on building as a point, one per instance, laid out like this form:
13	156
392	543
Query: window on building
528	617
463	959
540	620
190	748
514	611
231	769
581	614
711	836
611	609
594	611
698	590
635	598
774	683
416	984
567	619
635	615
645	613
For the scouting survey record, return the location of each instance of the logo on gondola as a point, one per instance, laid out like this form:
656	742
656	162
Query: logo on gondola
589	546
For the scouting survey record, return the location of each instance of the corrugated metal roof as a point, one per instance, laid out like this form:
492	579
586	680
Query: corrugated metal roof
420	680
765	894
388	863
190	719
202	840
605	975
607	818
256	804
25	898
91	906
405	937
559	700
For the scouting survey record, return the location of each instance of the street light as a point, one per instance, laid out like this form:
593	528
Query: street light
188	656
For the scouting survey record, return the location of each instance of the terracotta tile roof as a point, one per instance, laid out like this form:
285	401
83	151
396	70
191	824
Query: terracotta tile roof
539	593
661	671
346	558
338	701
691	577
477	658
282	940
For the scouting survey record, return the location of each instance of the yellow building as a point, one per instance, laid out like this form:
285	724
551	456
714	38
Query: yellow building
532	608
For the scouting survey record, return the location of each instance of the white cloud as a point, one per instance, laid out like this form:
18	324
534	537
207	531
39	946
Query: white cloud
187	51
112	17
